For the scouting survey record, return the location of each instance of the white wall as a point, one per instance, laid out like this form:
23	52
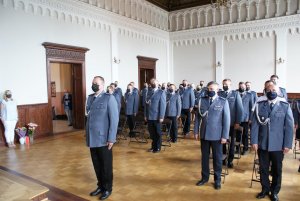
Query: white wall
249	60
293	62
193	62
25	25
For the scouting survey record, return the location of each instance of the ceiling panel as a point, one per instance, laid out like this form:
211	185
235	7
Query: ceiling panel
171	5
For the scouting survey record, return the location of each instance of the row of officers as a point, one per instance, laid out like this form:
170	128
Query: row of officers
218	113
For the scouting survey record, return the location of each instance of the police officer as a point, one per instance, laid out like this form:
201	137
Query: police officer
282	92
134	88
144	94
272	137
154	114
173	111
101	130
117	95
215	124
188	102
131	106
296	112
118	89
247	100
198	95
248	89
236	113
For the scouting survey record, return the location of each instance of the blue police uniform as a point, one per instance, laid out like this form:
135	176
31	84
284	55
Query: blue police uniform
236	114
131	108
101	128
215	124
188	101
173	111
272	131
154	111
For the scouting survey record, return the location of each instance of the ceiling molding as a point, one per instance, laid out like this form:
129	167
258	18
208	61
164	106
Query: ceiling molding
172	5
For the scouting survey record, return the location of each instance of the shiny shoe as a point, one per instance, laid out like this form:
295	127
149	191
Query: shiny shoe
217	186
96	192
201	182
105	195
274	197
262	194
156	151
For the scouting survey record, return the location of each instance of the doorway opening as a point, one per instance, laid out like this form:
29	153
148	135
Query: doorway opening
66	73
147	70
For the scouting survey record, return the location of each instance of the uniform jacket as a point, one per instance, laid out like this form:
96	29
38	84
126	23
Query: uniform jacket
131	103
247	100
216	123
173	105
155	104
235	105
296	112
118	99
187	98
278	133
102	120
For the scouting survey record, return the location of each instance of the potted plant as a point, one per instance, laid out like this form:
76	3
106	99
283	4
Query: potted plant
31	130
21	131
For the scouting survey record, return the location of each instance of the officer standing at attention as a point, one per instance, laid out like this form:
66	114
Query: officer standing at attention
154	114
272	137
188	102
173	111
131	106
117	95
101	130
282	92
296	112
236	114
247	100
144	94
214	131
248	89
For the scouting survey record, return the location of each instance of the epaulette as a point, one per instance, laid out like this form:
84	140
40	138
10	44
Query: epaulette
262	99
92	94
222	98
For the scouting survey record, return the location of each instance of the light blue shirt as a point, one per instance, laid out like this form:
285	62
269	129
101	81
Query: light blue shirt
9	110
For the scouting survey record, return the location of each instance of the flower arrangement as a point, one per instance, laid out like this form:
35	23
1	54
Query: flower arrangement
21	131
31	129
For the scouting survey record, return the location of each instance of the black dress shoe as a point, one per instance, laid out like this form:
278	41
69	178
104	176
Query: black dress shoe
96	192
274	197
105	195
217	186
262	194
299	169
201	182
156	150
230	165
150	150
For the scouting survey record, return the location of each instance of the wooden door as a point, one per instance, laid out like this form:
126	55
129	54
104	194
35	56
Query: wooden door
147	69
78	96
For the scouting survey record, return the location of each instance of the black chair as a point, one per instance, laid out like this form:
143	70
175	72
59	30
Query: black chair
225	156
166	128
182	120
121	128
255	171
296	149
138	133
238	144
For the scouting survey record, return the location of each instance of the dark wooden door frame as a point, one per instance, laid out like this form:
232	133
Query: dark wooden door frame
63	54
146	63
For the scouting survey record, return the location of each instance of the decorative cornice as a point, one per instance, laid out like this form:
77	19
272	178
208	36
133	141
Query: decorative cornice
263	27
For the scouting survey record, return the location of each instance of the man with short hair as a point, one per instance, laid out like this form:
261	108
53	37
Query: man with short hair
236	114
144	94
101	129
282	92
134	88
188	102
215	123
271	137
154	114
131	106
173	111
248	88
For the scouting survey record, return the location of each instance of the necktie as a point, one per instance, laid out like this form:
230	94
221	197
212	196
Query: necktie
271	106
210	101
93	99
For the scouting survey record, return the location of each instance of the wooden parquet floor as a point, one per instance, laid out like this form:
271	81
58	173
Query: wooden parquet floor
64	162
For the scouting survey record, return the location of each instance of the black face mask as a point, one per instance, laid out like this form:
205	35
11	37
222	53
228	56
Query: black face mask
211	94
128	90
184	85
163	88
247	88
171	90
241	90
271	95
153	86
225	88
95	87
201	85
198	89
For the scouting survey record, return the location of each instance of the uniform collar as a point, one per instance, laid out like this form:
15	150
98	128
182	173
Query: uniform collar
273	101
